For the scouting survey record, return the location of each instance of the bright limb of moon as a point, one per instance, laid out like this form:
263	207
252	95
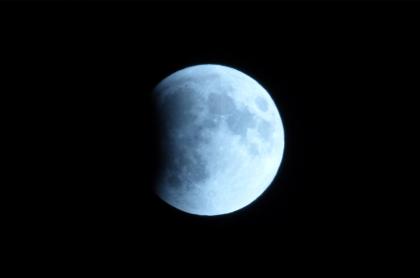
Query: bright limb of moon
222	139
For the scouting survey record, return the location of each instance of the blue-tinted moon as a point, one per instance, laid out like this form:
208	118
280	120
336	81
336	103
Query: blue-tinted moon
222	139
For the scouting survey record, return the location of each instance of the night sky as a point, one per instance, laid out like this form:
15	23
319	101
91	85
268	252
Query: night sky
89	73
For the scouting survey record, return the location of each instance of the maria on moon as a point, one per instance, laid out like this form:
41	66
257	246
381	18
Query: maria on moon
222	136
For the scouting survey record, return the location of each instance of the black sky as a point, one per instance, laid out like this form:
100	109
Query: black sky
83	74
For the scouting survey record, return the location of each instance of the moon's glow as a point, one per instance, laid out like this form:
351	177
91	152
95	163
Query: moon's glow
223	139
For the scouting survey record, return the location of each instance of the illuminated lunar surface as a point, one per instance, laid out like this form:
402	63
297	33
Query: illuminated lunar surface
222	139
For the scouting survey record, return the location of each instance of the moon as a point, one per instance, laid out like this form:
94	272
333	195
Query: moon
222	139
